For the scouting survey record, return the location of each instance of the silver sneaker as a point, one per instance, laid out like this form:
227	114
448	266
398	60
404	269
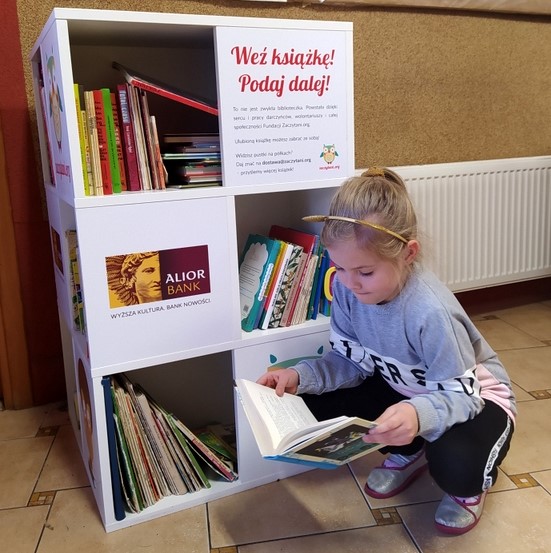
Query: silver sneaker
389	480
457	515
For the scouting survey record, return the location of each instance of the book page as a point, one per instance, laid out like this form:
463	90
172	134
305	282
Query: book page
280	415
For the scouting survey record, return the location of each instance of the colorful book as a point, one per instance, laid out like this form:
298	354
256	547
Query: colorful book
286	285
118	140
112	149
275	286
114	462
81	120
301	307
155	86
139	136
93	142
318	285
309	243
101	127
255	268
127	139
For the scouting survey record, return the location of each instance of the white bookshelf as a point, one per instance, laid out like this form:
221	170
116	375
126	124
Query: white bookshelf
186	351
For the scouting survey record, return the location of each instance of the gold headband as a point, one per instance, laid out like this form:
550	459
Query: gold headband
324	218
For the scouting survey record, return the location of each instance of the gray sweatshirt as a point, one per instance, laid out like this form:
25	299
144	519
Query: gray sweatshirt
423	344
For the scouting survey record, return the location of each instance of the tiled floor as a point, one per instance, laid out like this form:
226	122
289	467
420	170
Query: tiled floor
46	505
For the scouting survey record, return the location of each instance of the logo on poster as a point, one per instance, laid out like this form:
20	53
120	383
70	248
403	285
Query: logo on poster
146	277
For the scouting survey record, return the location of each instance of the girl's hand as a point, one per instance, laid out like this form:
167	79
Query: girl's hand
398	425
282	380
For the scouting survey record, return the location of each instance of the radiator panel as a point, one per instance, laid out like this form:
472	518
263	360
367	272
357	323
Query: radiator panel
484	223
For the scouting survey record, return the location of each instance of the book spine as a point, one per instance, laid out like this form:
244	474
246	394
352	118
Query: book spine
141	148
288	278
118	140
128	141
93	142
294	292
81	137
148	87
276	286
103	143
111	141
114	463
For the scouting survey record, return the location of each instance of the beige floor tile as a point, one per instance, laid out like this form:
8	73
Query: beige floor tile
63	468
23	423
534	319
530	448
310	503
503	336
74	525
352	541
21	528
20	464
529	368
544	478
513	521
520	394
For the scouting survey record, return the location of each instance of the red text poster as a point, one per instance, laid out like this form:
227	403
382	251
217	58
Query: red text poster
285	104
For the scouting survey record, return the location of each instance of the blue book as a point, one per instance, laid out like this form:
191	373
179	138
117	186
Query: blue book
116	484
256	266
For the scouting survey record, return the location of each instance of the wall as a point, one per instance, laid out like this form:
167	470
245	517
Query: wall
430	86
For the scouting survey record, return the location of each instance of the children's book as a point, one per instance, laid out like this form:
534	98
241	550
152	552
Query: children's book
309	244
155	86
255	269
286	430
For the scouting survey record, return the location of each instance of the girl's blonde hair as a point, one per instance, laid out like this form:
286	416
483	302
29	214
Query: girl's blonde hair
378	197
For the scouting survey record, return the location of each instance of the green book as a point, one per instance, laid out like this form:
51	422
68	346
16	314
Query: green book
111	140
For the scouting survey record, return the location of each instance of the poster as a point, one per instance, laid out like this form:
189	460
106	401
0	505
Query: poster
284	105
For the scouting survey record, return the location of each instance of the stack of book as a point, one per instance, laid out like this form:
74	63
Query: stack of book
119	140
153	454
283	279
192	160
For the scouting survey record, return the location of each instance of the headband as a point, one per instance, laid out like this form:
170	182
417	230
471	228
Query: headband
325	218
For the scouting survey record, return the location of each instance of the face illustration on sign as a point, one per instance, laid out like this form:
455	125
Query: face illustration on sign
135	278
153	276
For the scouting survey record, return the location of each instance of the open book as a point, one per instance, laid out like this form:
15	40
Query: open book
286	430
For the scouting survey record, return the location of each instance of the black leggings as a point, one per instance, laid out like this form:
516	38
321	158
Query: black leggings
463	461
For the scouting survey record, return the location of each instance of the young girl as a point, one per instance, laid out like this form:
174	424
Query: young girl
405	354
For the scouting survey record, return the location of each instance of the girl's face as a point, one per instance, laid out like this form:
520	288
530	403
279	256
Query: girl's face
371	279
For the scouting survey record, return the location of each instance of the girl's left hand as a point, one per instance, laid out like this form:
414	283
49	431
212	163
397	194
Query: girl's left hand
398	425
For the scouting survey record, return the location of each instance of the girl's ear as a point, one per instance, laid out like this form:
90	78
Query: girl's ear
410	251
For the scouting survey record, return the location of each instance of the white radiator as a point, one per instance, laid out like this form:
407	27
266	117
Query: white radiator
484	223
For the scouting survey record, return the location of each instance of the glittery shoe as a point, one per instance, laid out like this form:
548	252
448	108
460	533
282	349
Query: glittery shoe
457	515
389	479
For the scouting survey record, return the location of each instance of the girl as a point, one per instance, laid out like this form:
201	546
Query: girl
405	354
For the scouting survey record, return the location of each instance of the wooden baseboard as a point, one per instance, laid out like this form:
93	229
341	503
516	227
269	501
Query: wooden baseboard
484	300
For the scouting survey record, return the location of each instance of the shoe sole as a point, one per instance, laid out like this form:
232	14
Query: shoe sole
409	480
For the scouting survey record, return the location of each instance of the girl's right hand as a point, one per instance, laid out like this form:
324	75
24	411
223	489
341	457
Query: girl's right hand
282	380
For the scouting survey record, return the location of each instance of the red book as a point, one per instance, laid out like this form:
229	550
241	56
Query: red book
127	139
103	143
156	87
309	244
